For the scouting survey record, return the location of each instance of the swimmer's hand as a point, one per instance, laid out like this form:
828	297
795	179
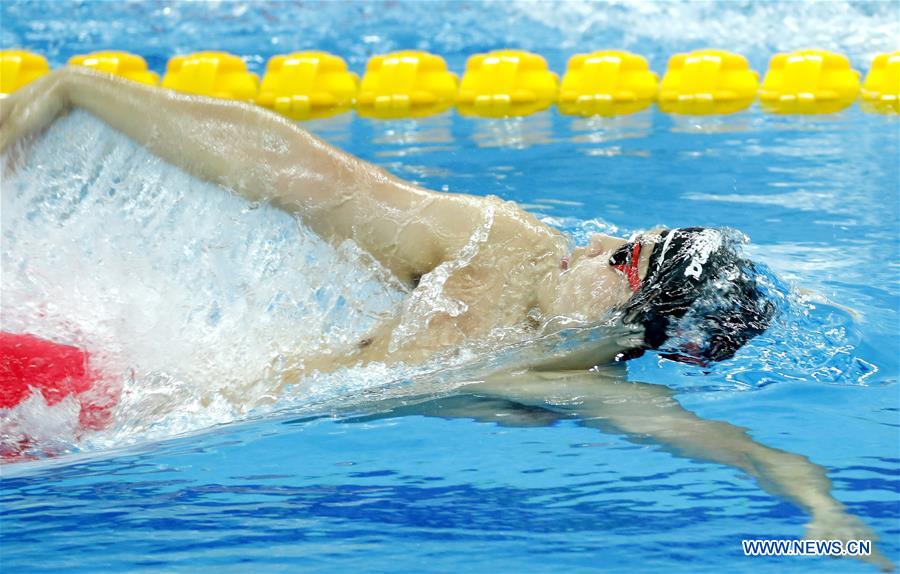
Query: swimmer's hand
30	109
842	526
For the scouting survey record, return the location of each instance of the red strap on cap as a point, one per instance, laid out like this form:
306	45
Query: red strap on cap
630	269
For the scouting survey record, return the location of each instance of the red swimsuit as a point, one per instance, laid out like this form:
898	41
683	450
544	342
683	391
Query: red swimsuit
29	363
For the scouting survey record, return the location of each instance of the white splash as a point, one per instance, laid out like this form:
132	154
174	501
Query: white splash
178	288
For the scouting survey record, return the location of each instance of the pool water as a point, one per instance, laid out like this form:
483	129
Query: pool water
386	470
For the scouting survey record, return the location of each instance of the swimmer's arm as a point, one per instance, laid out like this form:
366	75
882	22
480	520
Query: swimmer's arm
650	412
264	157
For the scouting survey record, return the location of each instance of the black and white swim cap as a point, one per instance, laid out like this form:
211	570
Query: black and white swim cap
697	282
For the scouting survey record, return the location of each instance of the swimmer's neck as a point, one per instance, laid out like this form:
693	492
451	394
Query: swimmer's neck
583	285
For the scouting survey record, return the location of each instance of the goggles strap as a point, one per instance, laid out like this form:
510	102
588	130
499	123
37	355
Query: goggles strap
630	268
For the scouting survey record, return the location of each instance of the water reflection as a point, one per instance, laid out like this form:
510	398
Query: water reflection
599	129
602	130
335	129
417	173
731	123
402	138
515	133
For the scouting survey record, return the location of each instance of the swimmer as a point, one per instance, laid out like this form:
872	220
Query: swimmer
475	265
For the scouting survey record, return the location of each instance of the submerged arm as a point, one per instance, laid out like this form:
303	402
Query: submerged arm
263	157
649	411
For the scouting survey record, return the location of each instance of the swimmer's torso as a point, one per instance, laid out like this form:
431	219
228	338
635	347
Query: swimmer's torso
488	283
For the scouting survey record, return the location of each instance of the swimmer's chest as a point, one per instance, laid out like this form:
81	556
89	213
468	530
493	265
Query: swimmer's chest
498	291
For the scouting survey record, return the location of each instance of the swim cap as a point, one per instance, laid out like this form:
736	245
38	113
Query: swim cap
699	290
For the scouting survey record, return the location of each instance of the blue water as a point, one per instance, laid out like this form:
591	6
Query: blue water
377	487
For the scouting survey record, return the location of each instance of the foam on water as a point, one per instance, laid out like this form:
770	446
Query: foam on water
179	289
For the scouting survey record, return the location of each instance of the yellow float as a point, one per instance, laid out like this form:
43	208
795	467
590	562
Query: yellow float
707	82
216	74
606	83
506	83
406	84
809	82
19	67
307	85
123	64
881	90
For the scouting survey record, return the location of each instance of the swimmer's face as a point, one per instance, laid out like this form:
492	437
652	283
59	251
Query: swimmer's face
589	287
